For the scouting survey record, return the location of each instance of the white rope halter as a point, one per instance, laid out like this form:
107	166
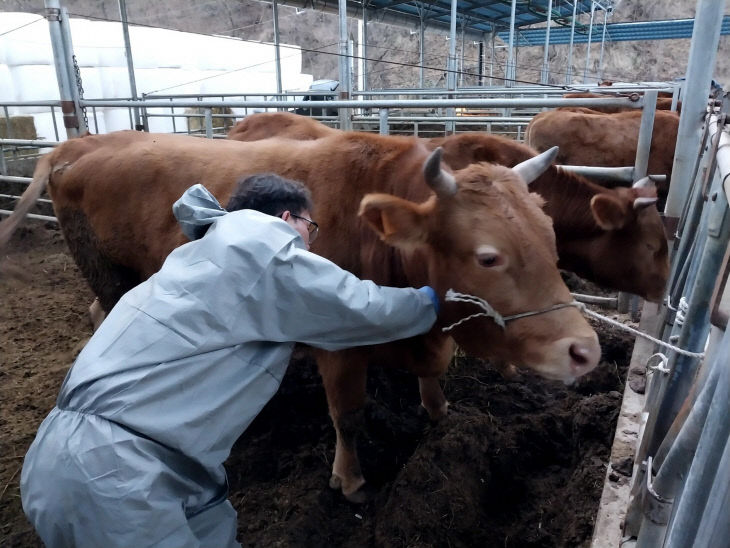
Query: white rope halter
490	312
500	320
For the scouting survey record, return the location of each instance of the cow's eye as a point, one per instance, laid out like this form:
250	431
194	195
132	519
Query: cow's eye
488	257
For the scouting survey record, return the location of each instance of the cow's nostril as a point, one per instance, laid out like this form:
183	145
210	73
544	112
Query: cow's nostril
580	354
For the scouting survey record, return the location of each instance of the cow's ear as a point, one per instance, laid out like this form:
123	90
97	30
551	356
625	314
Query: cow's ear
610	212
398	222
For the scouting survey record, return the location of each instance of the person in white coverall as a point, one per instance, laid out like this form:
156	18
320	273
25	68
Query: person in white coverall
132	455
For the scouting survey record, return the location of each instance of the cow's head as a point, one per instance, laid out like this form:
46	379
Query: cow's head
484	234
634	236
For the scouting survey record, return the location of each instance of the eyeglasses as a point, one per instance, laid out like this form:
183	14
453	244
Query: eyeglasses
312	227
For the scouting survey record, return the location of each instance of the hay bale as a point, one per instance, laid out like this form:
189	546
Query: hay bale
220	125
21	127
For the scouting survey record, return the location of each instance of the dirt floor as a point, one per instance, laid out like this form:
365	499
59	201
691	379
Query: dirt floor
517	463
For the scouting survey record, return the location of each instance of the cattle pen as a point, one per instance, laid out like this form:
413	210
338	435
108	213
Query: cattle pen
659	474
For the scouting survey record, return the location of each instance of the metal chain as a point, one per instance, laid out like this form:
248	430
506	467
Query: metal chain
80	87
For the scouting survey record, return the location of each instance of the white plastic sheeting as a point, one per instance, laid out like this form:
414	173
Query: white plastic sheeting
166	61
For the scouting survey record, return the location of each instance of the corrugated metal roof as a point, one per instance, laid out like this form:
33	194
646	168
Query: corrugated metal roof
481	16
615	32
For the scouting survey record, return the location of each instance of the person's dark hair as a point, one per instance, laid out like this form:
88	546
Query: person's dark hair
270	194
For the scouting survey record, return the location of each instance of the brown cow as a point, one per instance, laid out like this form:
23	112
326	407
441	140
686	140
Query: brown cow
593	225
267	124
479	231
609	140
662	102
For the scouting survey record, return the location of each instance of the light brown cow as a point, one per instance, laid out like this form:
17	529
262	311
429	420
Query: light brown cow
388	212
663	102
593	225
263	125
609	140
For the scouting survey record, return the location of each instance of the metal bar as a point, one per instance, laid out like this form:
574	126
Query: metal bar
696	326
603	43
130	61
277	53
623	174
63	72
73	68
643	145
31	216
451	63
702	54
35	143
383	115
209	123
545	72
714	529
588	47
345	86
569	69
365	85
511	73
657	500
421	36
376	103
692	501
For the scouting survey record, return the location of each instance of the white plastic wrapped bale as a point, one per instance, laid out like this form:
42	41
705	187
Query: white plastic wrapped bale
115	82
84	40
109	40
116	119
168	81
35	83
91	81
7	88
45	129
97	120
146	46
29	45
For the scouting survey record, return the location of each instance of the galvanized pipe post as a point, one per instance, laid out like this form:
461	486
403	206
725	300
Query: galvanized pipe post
365	83
696	326
693	499
138	125
569	70
700	68
451	66
511	72
603	43
344	64
641	163
421	37
588	47
63	71
277	52
545	72
383	116
650	512
75	74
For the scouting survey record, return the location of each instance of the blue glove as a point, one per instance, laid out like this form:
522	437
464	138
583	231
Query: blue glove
428	290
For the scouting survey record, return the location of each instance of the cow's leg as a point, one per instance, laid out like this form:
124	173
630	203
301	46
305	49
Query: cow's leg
96	314
432	397
344	377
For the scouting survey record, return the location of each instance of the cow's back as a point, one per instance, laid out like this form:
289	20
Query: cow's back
604	139
113	194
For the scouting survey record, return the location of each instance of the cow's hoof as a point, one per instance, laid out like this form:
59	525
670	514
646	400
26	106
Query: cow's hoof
435	414
359	494
362	495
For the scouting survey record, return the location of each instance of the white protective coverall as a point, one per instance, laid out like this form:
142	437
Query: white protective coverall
132	455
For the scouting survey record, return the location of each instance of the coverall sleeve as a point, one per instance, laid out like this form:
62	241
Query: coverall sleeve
320	304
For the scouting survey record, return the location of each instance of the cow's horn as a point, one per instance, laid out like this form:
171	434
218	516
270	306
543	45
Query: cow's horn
646	182
531	169
442	182
642	202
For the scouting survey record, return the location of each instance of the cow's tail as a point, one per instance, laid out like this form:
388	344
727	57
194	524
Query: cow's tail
27	200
